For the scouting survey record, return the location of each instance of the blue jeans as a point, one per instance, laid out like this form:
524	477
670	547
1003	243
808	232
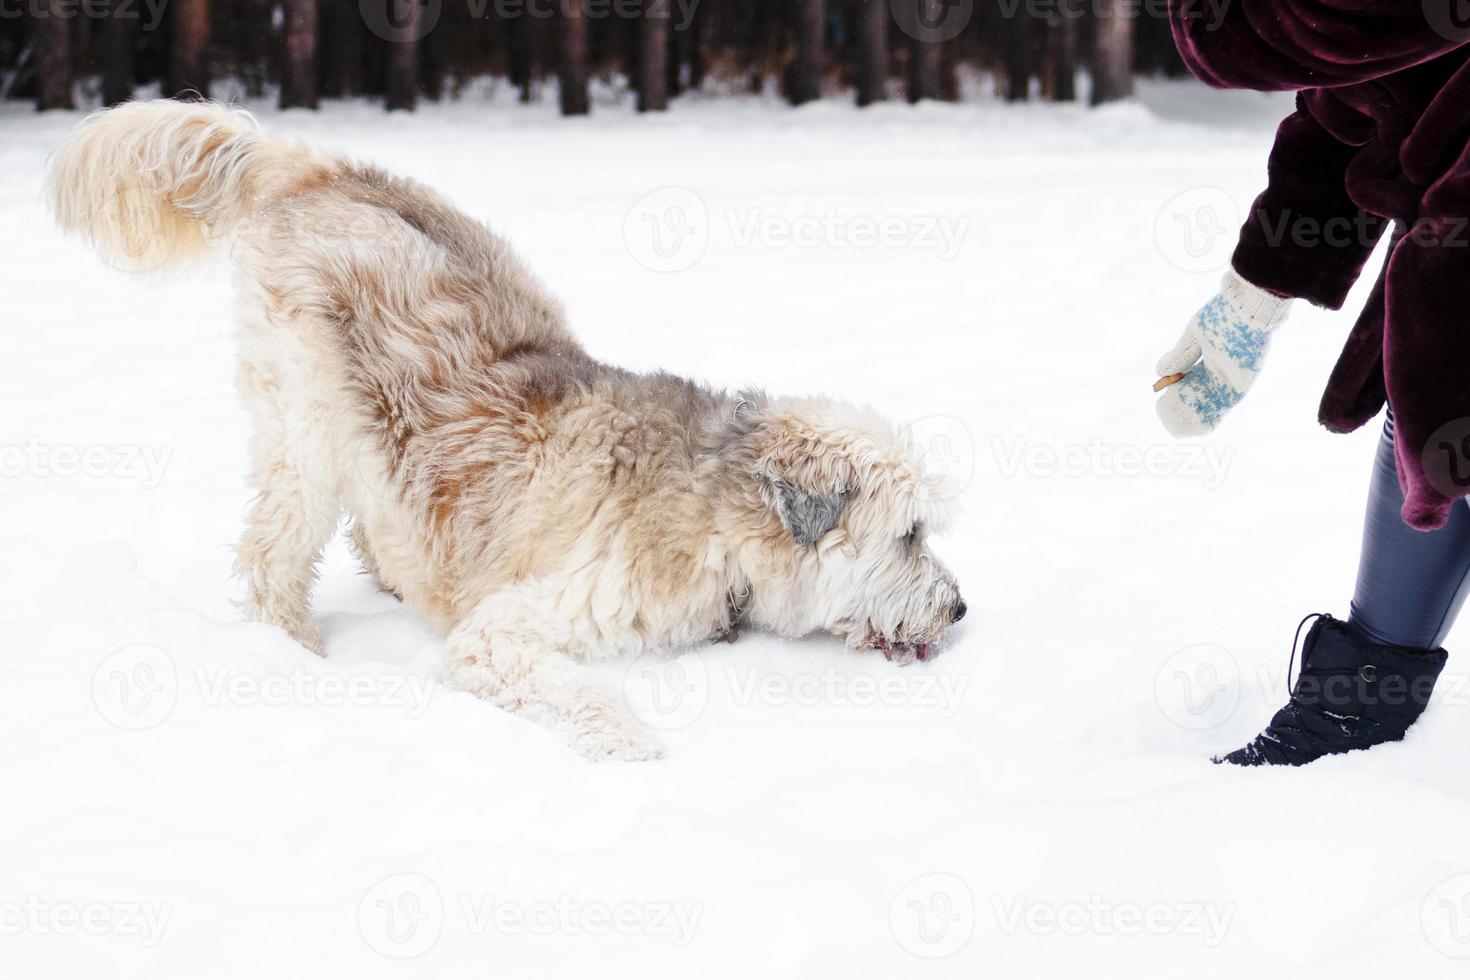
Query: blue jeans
1411	584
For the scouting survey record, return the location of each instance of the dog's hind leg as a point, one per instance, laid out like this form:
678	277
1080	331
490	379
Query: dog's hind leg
497	653
357	538
296	507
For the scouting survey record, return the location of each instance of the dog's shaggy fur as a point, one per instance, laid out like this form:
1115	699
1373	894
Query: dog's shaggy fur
541	507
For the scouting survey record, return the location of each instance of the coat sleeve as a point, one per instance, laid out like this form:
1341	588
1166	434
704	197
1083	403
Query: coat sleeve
1304	236
1426	348
1283	45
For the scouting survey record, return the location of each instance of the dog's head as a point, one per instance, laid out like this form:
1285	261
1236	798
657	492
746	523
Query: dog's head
844	512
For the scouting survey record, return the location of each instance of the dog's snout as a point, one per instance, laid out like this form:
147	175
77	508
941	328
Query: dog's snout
959	611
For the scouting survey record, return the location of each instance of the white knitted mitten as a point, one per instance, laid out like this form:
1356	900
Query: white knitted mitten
1219	355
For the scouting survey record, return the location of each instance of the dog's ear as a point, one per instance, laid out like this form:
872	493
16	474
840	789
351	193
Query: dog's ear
805	479
808	516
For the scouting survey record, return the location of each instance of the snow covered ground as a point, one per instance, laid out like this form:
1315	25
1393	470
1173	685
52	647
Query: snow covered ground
183	795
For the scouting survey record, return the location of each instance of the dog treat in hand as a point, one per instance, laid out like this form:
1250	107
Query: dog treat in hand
1167	380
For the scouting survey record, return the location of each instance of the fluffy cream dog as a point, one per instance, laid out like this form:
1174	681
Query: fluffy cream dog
401	366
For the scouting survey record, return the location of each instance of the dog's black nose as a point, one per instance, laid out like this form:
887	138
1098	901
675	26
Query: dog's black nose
959	611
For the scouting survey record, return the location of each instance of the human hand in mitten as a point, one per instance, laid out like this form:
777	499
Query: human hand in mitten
1215	363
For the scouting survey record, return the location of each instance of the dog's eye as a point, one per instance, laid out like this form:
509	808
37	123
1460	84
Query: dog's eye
912	538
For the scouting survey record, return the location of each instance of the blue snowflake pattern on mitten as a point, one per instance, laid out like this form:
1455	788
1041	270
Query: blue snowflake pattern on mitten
1231	336
1208	396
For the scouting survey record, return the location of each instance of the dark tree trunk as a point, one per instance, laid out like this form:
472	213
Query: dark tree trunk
811	38
53	56
949	76
189	55
298	81
14	43
926	61
516	53
253	43
1153	48
115	52
1059	82
342	30
623	35
403	60
1020	61
653	53
1112	52
872	52
767	33
679	45
574	99
707	36
533	50
434	57
115	56
924	68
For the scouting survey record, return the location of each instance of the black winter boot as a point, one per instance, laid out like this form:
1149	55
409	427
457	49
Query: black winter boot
1351	694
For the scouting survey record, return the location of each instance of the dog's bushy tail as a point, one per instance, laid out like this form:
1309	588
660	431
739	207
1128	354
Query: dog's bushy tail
153	184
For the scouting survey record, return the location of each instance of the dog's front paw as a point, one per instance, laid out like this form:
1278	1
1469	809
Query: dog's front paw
604	730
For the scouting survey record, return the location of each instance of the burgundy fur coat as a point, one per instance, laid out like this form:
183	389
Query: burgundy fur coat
1380	140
